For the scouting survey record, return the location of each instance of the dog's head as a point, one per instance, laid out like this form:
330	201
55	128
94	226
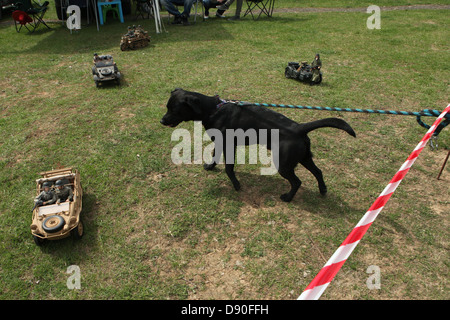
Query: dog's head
182	106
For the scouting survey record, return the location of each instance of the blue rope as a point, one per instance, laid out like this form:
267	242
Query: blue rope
425	112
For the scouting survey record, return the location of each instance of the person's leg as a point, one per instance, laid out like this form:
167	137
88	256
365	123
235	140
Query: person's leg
206	5
220	13
237	14
170	7
226	5
187	7
238	8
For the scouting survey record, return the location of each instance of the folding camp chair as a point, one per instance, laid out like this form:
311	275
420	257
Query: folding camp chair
264	6
144	8
21	19
28	15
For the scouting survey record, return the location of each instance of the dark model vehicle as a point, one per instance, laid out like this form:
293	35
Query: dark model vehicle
135	38
304	74
105	69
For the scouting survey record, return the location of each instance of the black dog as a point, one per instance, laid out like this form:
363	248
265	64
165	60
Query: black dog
293	142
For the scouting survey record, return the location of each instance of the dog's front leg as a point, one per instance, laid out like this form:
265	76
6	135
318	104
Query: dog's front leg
217	152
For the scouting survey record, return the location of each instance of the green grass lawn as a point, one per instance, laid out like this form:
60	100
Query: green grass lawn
351	3
155	230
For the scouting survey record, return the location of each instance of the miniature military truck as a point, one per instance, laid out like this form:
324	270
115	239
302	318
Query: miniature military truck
58	220
105	69
135	38
304	74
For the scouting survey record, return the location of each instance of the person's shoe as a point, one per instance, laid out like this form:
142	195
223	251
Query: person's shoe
218	15
177	20
185	20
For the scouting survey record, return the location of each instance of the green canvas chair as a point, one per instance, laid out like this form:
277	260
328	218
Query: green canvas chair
33	17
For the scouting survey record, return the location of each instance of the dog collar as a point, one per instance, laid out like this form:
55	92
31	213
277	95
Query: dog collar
223	101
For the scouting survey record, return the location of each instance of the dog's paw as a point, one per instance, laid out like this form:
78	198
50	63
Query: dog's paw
286	197
237	185
323	192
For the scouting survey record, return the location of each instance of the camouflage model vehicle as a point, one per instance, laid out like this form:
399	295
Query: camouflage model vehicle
105	69
135	38
59	219
304	74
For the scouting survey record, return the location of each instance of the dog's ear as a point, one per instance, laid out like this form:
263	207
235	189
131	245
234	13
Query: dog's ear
194	103
175	90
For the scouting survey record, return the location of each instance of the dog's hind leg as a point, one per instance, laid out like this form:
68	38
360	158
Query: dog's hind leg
311	166
289	174
229	167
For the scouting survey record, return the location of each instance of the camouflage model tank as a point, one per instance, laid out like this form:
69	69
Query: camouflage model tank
301	71
135	38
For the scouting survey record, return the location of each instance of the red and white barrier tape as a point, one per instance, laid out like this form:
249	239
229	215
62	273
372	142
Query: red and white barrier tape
318	285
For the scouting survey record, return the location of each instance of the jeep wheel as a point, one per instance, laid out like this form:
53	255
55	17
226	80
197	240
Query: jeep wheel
53	224
287	72
78	231
38	241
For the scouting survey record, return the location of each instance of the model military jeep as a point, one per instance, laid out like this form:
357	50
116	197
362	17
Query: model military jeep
105	69
59	219
300	71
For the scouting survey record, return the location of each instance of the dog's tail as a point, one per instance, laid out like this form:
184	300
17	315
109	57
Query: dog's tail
328	122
